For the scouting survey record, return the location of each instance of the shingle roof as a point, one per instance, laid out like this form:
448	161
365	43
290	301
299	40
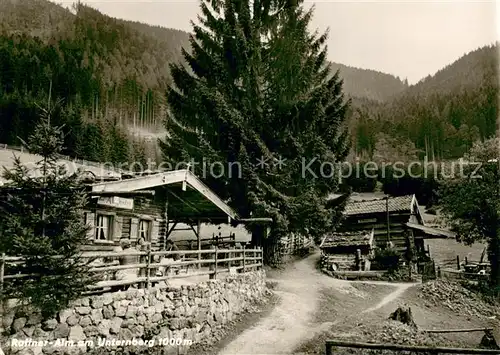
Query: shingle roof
396	204
361	238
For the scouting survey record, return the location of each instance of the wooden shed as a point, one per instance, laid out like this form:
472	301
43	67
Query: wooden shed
396	221
387	217
347	251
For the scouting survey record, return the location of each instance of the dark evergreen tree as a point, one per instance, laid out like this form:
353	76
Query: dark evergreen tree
42	221
259	90
139	163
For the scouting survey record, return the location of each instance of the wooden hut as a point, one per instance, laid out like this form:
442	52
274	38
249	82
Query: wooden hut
347	251
152	207
396	221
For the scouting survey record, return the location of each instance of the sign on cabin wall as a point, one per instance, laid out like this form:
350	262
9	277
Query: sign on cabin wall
117	202
367	220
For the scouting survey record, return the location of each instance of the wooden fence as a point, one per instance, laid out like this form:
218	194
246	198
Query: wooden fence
427	270
191	244
460	275
332	344
218	260
293	243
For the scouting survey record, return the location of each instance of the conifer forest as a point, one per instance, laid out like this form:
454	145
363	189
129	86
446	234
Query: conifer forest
111	77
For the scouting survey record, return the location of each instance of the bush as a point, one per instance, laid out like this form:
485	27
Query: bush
386	259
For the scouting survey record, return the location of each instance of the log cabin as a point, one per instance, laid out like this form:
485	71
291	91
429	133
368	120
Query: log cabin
149	206
152	207
396	221
347	251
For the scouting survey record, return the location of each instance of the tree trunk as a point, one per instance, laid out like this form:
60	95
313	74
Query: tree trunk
494	256
257	236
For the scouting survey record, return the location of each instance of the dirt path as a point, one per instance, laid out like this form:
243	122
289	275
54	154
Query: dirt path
291	322
399	289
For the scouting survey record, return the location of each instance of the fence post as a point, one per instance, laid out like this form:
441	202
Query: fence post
148	264
198	239
329	350
458	262
215	266
2	272
252	255
244	258
261	257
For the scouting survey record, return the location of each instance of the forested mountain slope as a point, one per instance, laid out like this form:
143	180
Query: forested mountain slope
440	117
113	73
369	84
127	62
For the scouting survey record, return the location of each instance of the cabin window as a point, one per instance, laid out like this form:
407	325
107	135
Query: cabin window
103	227
144	229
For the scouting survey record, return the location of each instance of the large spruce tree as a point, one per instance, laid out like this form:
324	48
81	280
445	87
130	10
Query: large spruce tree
258	91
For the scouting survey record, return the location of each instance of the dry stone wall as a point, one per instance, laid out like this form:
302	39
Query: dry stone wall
172	318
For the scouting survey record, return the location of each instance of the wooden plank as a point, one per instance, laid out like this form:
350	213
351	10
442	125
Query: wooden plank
91	223
396	347
154	234
123	193
2	272
255	220
348	273
126	224
134	228
457	330
198	239
142	182
117	228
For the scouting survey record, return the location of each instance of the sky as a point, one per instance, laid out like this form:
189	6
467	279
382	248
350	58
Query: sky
409	39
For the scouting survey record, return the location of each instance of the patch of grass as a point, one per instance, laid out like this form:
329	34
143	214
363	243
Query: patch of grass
445	251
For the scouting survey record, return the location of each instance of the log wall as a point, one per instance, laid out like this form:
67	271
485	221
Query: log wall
378	222
125	223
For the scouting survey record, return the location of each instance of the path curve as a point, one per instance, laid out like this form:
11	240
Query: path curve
291	322
400	288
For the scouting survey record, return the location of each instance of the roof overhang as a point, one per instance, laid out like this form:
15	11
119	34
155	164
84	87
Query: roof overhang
355	243
178	183
372	206
432	233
